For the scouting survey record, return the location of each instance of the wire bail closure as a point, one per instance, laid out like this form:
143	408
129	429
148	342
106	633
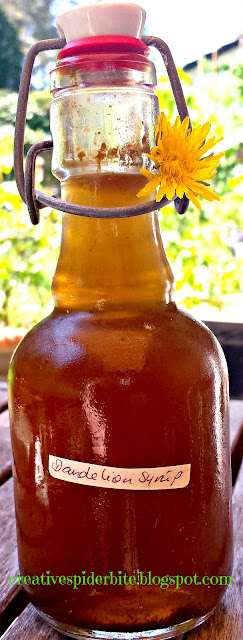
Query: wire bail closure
36	200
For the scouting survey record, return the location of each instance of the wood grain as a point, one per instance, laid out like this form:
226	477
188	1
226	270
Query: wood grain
227	622
236	436
29	626
5	447
236	419
8	545
3	396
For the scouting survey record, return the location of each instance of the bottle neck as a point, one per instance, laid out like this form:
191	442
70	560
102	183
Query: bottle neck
101	133
110	263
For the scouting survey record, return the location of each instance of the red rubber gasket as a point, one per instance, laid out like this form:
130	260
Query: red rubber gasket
103	44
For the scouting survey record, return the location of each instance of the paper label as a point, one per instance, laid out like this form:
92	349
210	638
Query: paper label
96	475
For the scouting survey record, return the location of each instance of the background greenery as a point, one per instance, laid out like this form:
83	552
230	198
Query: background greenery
199	245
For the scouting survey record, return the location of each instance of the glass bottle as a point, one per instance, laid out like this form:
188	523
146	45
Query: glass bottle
117	377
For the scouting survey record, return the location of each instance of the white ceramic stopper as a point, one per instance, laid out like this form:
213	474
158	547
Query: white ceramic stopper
102	19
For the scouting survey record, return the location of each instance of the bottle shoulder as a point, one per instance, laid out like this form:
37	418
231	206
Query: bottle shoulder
161	331
166	349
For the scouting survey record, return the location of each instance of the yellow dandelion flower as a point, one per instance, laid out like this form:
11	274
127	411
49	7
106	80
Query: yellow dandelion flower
179	167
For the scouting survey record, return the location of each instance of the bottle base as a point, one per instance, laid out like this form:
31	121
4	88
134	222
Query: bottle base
175	631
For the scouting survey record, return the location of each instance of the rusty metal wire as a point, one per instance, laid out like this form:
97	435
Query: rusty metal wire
42	45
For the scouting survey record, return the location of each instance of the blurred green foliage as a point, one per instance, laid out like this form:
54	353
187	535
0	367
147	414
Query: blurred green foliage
32	19
10	54
28	254
199	245
22	22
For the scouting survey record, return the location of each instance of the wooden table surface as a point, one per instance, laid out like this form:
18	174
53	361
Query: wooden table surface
19	620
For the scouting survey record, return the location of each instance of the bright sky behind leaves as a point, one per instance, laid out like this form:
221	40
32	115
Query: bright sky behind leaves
190	28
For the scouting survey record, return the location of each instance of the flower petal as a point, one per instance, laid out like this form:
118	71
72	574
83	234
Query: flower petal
148	174
184	125
180	191
191	196
161	193
149	188
170	191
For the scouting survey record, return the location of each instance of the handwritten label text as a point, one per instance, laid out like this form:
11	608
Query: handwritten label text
174	477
